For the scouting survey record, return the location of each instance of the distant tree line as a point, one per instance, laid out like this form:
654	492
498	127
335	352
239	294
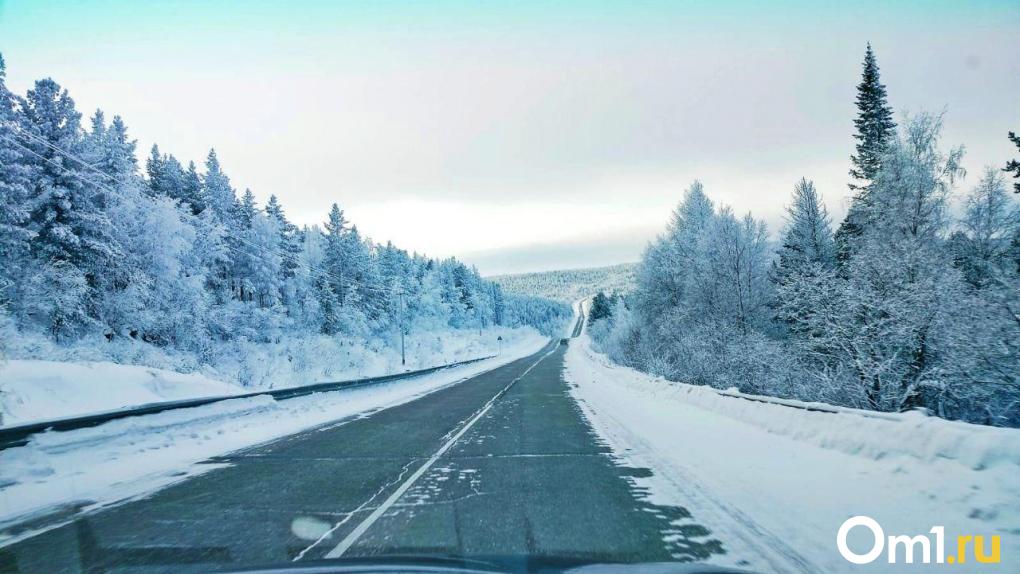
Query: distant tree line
571	285
903	306
167	253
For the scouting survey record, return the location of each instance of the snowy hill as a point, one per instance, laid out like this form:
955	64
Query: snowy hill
571	284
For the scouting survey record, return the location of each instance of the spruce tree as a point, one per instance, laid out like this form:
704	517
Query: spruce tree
168	178
75	236
154	168
246	209
875	128
70	228
118	159
335	258
1013	166
289	244
874	124
804	259
222	202
218	192
193	191
14	189
275	209
807	239
600	307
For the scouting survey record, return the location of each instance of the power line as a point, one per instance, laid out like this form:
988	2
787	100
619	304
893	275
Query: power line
25	133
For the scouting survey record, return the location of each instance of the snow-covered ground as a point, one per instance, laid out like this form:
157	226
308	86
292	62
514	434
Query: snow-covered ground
77	383
569	285
128	458
775	483
45	390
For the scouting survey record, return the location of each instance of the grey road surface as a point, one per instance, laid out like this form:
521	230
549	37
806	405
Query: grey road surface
503	464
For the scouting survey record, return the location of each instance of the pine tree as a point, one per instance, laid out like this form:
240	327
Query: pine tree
14	192
246	209
1013	166
218	193
69	226
49	116
498	304
166	175
264	274
807	239
69	207
874	124
246	254
222	202
154	167
289	242
600	308
335	289
806	257
365	281
166	256
875	127
192	190
117	158
336	227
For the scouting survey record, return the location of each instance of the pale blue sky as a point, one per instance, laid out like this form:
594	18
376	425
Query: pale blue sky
520	136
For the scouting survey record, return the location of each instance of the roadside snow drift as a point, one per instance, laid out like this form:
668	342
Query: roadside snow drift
775	483
39	390
45	390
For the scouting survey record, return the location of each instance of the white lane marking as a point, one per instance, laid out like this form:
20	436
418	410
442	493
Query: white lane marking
350	515
329	533
360	529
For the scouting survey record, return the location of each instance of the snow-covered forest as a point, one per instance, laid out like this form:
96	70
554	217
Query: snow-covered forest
126	258
570	285
912	301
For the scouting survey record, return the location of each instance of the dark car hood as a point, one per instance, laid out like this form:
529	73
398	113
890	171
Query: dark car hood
484	565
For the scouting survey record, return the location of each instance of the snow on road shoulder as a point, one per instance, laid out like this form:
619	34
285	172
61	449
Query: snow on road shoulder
45	390
34	390
128	458
774	483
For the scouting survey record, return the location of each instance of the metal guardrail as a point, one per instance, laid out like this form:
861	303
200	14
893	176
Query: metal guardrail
14	436
808	406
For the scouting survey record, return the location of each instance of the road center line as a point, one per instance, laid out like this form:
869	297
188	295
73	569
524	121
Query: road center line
361	528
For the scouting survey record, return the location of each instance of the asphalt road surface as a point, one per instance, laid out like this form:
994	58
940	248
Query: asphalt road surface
503	464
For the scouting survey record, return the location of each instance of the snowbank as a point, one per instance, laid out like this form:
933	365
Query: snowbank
34	390
43	390
852	431
128	458
774	483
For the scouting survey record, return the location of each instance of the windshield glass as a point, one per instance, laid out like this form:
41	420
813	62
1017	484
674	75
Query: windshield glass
509	286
